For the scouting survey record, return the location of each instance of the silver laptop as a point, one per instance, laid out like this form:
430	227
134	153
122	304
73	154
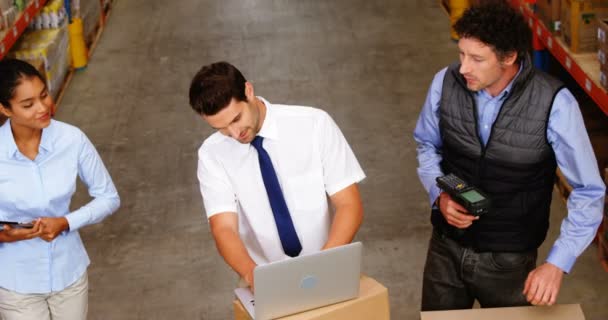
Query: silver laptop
303	283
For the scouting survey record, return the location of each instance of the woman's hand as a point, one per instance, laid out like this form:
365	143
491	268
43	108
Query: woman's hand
9	234
52	227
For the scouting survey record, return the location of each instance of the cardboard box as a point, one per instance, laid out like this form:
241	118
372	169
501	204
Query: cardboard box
602	43
556	312
602	33
604	79
579	23
549	12
9	16
372	303
602	58
5	4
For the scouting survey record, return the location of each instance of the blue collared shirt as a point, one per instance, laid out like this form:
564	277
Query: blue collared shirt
44	188
568	137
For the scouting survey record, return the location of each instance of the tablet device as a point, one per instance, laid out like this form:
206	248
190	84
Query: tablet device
17	224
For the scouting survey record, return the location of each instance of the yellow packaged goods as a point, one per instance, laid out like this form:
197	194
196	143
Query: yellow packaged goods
51	16
579	23
457	8
77	45
52	47
372	303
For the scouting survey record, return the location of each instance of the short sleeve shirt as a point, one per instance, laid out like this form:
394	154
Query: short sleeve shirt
312	160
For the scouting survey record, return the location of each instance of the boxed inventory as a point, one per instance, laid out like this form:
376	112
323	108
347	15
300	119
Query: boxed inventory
579	23
602	53
372	303
555	312
549	12
52	47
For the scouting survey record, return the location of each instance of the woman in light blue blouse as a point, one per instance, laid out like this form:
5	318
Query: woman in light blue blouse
43	269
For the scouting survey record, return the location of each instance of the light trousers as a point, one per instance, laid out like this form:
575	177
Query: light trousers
70	303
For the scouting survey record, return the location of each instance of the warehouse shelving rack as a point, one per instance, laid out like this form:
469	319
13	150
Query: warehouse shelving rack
11	36
25	17
584	67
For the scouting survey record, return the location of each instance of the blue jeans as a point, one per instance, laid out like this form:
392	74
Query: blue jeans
455	276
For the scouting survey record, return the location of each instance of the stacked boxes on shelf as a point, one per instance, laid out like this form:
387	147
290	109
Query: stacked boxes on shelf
549	13
8	14
51	16
602	54
596	123
49	47
579	23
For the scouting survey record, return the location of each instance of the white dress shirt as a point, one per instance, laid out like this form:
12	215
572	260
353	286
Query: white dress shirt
312	160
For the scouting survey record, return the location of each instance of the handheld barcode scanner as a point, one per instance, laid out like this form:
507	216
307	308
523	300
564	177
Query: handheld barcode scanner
473	199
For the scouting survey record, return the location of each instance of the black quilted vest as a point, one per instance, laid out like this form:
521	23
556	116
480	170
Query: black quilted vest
516	168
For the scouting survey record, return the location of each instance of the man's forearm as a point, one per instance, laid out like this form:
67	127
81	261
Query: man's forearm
346	223
232	249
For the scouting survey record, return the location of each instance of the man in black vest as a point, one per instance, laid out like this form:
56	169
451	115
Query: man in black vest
503	126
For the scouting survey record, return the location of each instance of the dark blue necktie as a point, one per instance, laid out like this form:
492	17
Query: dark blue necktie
287	232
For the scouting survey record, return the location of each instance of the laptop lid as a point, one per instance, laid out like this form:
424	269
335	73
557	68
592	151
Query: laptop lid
307	282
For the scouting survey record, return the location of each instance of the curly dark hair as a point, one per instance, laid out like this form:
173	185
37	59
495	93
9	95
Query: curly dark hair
498	25
214	86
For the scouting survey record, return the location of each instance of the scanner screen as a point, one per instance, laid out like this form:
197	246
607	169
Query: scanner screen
472	196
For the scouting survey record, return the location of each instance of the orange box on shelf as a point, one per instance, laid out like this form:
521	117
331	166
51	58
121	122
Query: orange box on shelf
604	79
579	22
372	303
602	43
549	13
602	33
602	58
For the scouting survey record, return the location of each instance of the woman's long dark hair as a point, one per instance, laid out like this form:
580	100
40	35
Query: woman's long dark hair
12	72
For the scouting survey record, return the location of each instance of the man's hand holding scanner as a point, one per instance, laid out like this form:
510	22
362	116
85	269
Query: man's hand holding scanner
455	214
14	233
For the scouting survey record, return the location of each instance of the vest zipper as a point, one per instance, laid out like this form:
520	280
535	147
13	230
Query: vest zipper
484	148
480	140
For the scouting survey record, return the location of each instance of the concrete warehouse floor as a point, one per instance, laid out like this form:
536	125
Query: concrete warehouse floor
368	63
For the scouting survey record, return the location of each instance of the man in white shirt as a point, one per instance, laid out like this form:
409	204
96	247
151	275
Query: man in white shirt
253	219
